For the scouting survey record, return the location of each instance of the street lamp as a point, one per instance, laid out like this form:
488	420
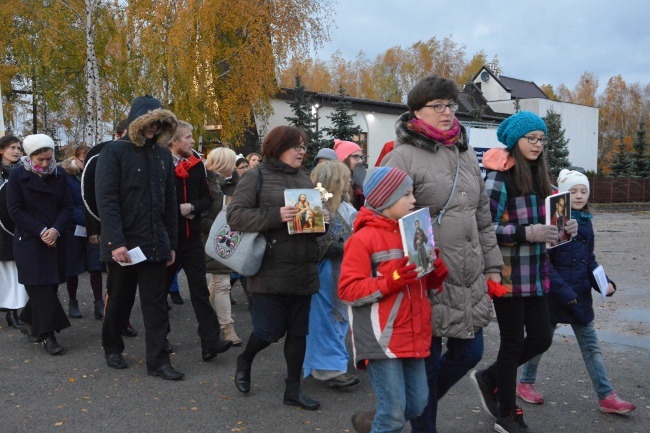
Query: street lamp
314	112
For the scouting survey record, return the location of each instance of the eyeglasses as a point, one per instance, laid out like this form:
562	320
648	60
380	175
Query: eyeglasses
356	156
440	108
300	148
533	140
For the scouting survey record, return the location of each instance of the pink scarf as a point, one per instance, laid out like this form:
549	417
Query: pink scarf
447	138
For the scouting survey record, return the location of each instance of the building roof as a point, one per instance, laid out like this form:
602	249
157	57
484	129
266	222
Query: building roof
521	89
468	105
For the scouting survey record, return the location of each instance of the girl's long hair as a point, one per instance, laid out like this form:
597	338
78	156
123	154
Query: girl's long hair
334	176
541	184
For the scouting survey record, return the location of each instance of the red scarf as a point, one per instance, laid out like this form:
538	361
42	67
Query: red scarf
447	138
184	165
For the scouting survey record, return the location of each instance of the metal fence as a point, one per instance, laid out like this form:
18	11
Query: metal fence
619	190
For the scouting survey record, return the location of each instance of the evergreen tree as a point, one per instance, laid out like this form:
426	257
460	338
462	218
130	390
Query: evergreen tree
303	118
621	161
638	158
557	152
344	126
517	105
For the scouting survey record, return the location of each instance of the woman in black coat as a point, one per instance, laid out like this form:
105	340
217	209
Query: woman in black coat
12	294
40	203
281	290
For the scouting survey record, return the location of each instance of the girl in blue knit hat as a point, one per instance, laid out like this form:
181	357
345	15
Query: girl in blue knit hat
517	184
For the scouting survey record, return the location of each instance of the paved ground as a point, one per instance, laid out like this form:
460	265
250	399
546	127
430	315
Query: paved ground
76	392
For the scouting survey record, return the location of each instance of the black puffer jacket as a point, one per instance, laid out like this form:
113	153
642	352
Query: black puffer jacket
290	264
136	190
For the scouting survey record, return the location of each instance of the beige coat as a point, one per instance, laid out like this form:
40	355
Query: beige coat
465	235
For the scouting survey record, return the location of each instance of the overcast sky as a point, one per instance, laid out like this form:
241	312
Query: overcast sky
548	42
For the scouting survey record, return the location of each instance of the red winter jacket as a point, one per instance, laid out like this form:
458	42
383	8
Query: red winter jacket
383	326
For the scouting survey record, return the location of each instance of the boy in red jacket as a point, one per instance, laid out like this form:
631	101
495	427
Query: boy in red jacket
390	314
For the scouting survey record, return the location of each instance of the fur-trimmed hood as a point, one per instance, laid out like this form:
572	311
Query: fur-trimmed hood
165	118
72	170
406	136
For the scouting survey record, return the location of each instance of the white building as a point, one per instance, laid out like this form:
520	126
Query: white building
482	107
580	122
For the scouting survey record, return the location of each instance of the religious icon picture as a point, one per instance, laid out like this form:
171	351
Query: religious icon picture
558	212
417	240
310	211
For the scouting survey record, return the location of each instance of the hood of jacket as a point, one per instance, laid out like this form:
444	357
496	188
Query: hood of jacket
498	159
406	136
369	218
166	129
71	169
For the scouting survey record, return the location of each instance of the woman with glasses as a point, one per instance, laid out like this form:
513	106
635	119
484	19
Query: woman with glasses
82	255
432	147
517	184
281	291
350	154
241	165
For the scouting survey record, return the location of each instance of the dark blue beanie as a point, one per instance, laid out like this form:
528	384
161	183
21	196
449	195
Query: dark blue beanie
518	125
142	105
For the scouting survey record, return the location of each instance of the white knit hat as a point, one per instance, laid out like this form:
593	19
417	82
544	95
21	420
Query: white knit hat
570	178
32	143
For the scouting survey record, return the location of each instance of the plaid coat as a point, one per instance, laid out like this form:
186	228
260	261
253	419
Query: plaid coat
526	269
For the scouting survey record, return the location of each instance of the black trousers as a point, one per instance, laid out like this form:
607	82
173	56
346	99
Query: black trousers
44	311
191	257
121	286
526	331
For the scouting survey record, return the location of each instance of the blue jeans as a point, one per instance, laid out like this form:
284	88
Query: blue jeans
444	371
593	357
175	288
400	386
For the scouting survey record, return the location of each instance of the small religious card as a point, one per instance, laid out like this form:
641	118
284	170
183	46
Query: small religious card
558	212
417	240
310	210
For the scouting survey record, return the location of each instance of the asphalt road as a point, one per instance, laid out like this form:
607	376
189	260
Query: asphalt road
77	392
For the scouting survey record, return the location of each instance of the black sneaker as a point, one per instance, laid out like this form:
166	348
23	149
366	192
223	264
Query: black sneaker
487	393
176	298
513	422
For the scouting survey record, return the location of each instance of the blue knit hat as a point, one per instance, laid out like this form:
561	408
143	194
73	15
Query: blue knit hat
384	186
518	125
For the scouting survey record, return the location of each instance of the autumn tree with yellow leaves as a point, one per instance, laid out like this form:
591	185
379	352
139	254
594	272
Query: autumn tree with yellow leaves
213	62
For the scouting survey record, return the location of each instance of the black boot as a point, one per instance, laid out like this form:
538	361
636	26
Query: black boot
13	319
50	345
294	397
99	309
73	309
243	375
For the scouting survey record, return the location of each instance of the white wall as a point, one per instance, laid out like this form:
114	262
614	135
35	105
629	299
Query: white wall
492	90
580	124
379	126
